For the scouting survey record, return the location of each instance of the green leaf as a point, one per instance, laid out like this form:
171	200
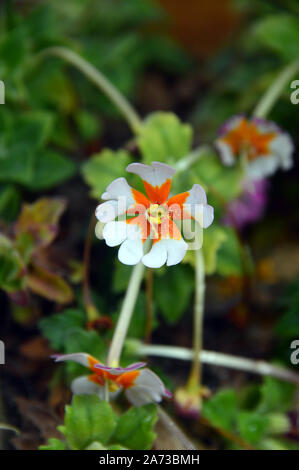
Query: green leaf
221	410
56	327
252	426
221	182
164	138
11	267
80	340
89	126
103	168
173	290
288	325
96	446
10	198
54	444
229	260
19	166
276	395
214	237
23	136
50	169
279	33
87	420
135	428
13	50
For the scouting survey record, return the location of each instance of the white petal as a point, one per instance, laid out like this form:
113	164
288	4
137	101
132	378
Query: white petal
109	210
138	396
81	358
155	175
130	252
196	205
119	188
225	152
208	215
167	251
230	124
115	233
147	388
283	147
83	386
262	166
265	127
197	195
156	257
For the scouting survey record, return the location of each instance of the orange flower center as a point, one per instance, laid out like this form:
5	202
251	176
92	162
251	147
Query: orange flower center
247	137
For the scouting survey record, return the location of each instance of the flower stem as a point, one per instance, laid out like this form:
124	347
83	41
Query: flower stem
217	359
181	441
184	163
95	76
106	391
272	94
195	374
125	316
91	310
149	305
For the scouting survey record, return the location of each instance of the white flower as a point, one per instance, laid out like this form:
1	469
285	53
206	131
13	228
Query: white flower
263	145
140	384
153	215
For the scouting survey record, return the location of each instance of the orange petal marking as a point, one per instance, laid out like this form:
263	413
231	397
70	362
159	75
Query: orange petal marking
176	206
143	224
127	379
140	198
97	379
142	203
158	194
92	362
167	229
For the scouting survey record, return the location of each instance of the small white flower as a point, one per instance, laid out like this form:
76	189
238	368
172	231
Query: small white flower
263	145
154	215
140	384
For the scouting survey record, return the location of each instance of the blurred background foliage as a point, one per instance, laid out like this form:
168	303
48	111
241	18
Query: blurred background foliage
187	67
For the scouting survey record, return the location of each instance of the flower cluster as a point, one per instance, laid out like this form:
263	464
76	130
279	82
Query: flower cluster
261	143
154	215
140	384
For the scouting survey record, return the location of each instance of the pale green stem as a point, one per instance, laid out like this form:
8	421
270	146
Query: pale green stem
95	76
186	162
106	391
195	374
181	441
125	316
273	93
216	359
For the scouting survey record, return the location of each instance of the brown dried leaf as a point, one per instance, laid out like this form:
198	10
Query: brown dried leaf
40	220
41	416
49	285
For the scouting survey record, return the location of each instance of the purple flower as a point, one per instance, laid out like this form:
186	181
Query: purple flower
250	206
